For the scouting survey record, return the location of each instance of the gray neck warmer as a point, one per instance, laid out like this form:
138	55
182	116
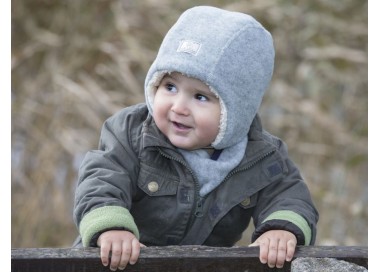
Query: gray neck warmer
210	173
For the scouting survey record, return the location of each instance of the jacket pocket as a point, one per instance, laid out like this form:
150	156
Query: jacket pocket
155	182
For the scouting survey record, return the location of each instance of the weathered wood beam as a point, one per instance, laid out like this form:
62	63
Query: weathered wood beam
173	258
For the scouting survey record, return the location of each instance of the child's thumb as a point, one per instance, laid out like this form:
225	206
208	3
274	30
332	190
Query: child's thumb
254	244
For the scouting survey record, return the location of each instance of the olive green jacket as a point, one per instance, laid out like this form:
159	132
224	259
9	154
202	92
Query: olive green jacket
138	181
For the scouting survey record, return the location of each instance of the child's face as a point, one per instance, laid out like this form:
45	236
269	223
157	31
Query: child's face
186	111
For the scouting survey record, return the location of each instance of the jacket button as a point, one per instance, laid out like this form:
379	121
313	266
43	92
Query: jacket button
153	186
246	202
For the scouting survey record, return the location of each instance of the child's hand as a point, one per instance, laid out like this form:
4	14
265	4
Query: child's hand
124	247
276	246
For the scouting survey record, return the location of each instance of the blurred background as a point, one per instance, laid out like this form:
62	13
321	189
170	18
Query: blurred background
75	63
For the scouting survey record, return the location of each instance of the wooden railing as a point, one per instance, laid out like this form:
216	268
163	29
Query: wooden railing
173	258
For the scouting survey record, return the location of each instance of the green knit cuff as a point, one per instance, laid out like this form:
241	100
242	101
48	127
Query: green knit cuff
103	218
296	219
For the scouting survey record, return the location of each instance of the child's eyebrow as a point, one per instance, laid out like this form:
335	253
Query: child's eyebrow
208	92
170	77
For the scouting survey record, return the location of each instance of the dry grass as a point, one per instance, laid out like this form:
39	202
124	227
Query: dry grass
74	63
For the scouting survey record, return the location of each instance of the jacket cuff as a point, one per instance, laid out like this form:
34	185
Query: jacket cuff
289	221
103	218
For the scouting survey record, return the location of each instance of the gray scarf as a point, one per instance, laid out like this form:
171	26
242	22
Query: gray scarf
210	173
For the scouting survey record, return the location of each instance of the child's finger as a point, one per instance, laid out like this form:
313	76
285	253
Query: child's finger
272	252
290	249
135	251
281	253
264	250
125	255
116	256
105	252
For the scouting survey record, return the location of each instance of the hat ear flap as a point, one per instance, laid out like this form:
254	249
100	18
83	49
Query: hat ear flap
151	88
223	119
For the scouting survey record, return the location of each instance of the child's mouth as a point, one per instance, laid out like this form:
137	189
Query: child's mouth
181	126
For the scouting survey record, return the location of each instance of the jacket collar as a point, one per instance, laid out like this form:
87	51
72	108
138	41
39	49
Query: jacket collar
152	136
257	145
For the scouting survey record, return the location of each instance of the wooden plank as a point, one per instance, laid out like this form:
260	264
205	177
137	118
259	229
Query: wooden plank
172	258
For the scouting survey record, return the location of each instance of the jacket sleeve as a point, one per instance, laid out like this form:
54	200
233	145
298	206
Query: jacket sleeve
286	204
103	195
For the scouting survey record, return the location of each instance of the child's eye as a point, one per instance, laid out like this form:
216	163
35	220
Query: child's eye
201	97
171	87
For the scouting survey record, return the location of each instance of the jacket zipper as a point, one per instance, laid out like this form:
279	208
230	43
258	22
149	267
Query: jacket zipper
236	170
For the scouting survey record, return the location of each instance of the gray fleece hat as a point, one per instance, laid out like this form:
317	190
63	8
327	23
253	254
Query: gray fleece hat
230	52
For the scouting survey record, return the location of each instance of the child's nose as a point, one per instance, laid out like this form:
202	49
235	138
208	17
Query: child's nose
181	105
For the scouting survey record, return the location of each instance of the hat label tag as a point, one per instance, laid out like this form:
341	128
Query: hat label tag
189	46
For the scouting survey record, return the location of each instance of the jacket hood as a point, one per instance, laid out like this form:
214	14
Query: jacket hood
230	52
